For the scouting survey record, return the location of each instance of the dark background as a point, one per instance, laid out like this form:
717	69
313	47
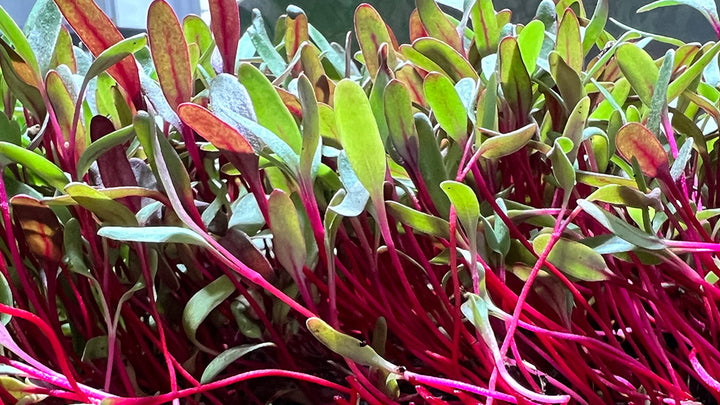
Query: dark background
334	17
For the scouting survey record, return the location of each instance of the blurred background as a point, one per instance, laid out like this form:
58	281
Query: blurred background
334	17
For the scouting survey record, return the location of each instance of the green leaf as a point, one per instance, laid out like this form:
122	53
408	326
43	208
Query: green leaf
501	231
465	202
596	26
639	69
633	140
360	137
73	247
288	238
311	128
347	346
447	106
43	28
419	221
336	58
487	31
356	196
627	196
201	304
437	24
95	348
164	151
573	258
567	80
38	164
487	114
17	39
695	69
109	211
621	228
530	41
568	43
371	33
505	144
613	100
575	125
114	55
269	107
376	98
102	145
546	13
421	61
659	98
6	298
562	168
10	130
476	312
152	234
226	358
514	78
264	46
58	92
197	31
22	81
432	167
272	141
467	88
328	127
684	154
598	180
399	117
246	325
448	59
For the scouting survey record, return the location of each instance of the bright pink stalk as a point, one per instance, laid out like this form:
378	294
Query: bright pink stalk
702	373
163	398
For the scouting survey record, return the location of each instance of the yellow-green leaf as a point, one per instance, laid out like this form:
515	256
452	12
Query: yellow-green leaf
360	136
573	258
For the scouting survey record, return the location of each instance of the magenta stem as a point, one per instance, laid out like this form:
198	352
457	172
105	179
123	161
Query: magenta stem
160	399
447	385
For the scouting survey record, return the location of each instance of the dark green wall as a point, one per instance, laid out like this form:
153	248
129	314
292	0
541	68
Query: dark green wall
334	17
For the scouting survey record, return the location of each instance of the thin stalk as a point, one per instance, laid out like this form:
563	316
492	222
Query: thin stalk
150	287
457	314
559	226
54	343
25	279
250	375
449	386
702	373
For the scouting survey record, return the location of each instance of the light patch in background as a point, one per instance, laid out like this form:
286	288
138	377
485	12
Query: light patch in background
456	4
130	13
124	13
205	11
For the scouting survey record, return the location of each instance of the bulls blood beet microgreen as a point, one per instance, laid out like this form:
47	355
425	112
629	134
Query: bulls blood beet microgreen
496	212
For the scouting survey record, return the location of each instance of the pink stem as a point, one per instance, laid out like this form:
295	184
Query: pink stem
160	399
702	373
54	342
450	385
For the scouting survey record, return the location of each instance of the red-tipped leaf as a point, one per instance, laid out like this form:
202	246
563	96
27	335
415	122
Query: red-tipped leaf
213	129
296	30
371	32
635	141
170	53
225	24
99	33
417	30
